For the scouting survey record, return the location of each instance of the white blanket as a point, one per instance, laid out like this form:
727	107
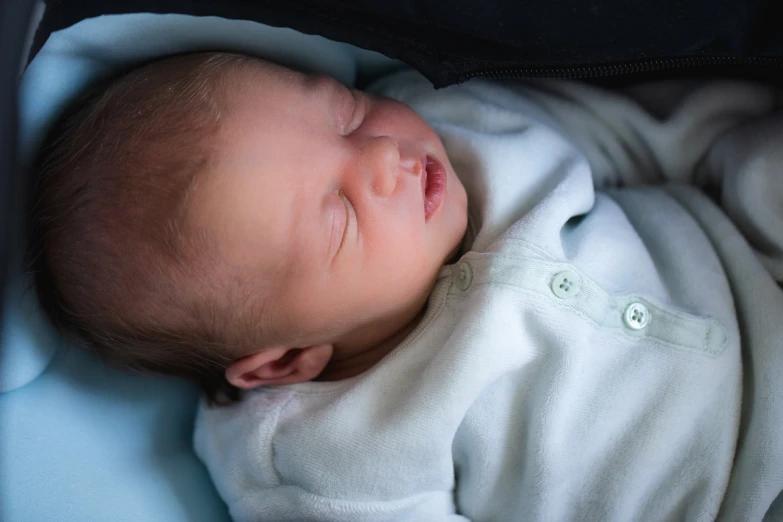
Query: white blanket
608	348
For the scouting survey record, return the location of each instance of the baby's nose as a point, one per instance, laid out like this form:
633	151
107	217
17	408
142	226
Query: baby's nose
382	160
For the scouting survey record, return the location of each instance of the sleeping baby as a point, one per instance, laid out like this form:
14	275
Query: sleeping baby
539	301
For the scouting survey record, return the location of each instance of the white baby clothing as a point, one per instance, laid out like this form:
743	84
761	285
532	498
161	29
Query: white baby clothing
609	346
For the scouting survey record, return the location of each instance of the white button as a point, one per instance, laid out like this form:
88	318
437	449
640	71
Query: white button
637	316
566	284
465	276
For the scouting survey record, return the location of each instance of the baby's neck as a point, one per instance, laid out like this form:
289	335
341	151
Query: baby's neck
340	368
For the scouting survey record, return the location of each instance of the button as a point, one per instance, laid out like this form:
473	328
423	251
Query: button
566	284
637	316
465	276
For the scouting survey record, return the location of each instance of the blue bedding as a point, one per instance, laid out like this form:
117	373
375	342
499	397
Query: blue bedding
80	441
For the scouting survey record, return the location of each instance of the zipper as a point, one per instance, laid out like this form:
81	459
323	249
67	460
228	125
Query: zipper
624	68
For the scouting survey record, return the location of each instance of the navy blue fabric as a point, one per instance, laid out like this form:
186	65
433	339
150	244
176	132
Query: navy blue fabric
450	41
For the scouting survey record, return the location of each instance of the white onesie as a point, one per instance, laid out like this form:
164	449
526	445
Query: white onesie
608	348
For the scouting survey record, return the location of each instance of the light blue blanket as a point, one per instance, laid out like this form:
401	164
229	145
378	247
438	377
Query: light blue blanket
79	441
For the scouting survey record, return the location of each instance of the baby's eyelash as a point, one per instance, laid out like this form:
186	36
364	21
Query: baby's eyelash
346	202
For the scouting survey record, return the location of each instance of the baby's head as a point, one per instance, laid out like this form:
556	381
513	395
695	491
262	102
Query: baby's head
229	220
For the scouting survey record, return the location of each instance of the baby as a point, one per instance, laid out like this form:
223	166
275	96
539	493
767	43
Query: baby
574	339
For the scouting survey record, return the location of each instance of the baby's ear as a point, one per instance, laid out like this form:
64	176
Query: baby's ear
279	365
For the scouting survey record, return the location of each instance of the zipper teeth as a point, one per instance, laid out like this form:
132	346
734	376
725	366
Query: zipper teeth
619	69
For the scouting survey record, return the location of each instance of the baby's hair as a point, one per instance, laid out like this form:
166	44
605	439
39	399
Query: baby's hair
113	268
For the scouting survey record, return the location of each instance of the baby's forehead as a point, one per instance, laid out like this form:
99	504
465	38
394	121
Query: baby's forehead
259	196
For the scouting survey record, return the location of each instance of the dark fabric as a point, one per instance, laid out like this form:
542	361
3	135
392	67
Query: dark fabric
14	21
452	40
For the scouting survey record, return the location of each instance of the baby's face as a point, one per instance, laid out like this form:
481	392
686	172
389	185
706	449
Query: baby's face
335	208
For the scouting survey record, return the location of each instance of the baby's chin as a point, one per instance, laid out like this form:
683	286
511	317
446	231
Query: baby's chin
458	225
455	254
459	212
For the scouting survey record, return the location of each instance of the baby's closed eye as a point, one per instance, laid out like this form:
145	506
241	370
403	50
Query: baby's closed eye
340	220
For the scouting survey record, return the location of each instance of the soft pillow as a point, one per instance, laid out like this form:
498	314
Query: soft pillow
82	441
73	58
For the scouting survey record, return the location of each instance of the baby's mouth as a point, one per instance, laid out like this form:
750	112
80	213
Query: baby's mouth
433	184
